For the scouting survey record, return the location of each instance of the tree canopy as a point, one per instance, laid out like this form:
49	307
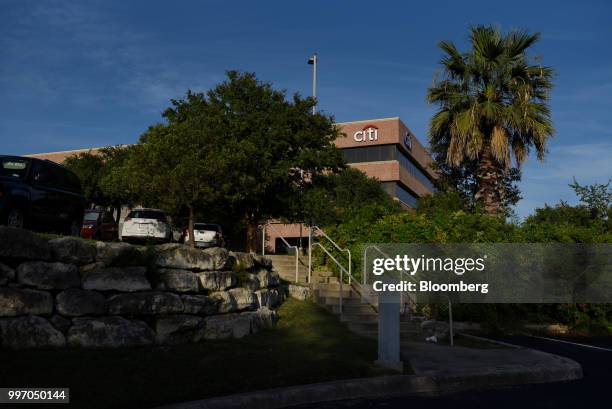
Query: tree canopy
241	149
493	104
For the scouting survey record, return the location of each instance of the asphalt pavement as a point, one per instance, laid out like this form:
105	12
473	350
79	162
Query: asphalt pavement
592	391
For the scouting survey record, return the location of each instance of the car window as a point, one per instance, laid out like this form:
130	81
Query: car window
13	168
147	214
42	174
206	226
91	216
55	176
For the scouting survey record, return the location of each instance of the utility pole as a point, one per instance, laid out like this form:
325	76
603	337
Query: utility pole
313	61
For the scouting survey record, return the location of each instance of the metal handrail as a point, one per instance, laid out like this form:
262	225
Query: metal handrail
263	248
364	272
342	272
450	304
337	247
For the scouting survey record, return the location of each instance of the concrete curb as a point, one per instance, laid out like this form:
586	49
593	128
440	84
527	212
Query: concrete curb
389	386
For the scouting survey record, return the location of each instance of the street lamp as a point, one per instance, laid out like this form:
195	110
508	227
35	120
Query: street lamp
313	61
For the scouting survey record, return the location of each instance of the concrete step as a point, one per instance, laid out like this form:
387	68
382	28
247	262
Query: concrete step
331	302
358	318
335	293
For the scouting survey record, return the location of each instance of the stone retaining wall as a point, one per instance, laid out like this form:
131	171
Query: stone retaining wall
71	292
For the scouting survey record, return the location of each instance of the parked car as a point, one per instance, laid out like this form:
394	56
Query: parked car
206	235
147	224
40	195
99	224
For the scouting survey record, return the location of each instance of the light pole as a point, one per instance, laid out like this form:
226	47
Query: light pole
313	61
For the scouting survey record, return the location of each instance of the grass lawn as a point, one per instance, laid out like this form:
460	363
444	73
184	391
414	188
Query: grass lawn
307	345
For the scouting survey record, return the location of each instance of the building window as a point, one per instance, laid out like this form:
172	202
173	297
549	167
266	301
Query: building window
396	190
387	152
369	154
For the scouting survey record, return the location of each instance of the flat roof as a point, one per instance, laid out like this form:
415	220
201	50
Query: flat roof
391	118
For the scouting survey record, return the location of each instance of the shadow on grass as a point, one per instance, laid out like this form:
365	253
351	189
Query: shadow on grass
307	345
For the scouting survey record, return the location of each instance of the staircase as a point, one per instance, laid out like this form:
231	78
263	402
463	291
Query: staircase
359	316
284	265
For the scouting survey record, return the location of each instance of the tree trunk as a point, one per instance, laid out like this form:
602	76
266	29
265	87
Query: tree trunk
251	233
190	227
490	192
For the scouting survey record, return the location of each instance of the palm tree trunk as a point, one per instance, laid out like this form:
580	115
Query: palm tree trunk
489	193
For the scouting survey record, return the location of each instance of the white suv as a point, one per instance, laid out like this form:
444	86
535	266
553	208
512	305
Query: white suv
146	224
206	235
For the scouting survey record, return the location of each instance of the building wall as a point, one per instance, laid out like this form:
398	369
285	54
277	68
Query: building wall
401	171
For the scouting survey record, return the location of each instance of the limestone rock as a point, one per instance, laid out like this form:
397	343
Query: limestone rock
7	274
243	260
118	254
60	323
228	326
268	297
109	332
16	301
177	280
29	332
72	250
76	302
225	302
251	281
127	279
263	262
268	278
22	245
179	329
88	268
298	292
217	280
238	325
201	304
173	255
145	303
263	318
243	299
48	276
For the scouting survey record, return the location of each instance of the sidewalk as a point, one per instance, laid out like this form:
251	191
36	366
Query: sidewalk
439	360
439	369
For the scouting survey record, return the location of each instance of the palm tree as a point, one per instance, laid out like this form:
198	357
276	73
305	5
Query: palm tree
493	104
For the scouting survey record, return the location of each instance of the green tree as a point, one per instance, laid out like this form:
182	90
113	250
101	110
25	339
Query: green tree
338	197
597	198
271	147
493	103
464	180
241	149
176	166
96	172
90	168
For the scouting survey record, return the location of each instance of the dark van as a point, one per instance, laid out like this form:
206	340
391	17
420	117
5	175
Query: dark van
40	195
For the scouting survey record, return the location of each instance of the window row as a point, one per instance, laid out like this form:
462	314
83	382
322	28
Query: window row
394	189
383	153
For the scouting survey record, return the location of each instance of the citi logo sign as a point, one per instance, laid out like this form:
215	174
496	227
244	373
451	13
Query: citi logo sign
368	133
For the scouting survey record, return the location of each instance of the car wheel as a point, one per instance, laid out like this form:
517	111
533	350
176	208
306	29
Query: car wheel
15	218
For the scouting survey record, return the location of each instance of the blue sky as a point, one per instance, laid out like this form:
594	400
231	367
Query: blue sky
81	74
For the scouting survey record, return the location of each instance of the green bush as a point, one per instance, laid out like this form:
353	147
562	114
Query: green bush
443	218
